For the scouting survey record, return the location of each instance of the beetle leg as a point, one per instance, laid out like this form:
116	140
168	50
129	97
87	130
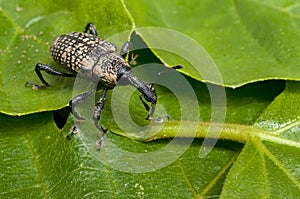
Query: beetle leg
126	52
77	99
48	69
96	117
150	110
126	48
168	69
72	132
91	27
144	103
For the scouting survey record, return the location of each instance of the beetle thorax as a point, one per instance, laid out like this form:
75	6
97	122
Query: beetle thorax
109	68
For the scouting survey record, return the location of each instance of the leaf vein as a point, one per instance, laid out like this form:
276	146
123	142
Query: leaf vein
219	175
186	178
264	168
36	163
277	163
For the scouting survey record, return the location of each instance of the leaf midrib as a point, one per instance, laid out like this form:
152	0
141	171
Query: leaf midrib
235	132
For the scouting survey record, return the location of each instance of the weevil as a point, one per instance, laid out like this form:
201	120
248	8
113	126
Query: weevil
97	60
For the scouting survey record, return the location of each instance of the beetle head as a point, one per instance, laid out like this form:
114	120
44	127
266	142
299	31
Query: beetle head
147	90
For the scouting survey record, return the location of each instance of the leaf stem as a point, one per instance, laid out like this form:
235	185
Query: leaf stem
236	132
194	129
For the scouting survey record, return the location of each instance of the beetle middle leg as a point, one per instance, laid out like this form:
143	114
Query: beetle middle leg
72	104
96	116
77	99
179	66
48	69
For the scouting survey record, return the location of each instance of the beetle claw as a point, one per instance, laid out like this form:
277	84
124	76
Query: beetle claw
72	132
159	119
100	141
35	86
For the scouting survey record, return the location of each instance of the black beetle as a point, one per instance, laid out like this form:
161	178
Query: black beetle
96	60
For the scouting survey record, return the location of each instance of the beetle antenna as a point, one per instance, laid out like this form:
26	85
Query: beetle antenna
179	66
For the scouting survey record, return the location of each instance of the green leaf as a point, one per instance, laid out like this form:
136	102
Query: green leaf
243	107
248	40
52	166
282	113
267	147
38	161
269	160
269	165
30	27
264	169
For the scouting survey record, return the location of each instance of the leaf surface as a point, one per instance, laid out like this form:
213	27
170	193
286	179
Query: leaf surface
256	155
38	161
29	29
248	40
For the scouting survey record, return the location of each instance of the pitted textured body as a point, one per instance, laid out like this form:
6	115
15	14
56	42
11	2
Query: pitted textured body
88	54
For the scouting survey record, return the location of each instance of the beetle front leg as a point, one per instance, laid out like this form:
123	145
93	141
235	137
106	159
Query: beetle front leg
96	117
150	110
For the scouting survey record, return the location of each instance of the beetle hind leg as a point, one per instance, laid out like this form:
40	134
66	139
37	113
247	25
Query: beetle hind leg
48	69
